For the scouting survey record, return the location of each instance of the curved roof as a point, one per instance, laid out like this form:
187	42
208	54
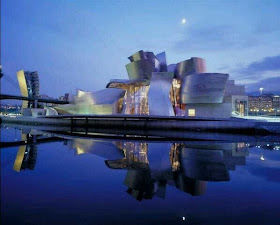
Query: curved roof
203	88
141	69
190	66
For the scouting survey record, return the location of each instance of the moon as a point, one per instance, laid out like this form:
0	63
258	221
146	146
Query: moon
183	21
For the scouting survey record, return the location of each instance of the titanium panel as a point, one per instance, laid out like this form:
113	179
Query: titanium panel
140	55
107	96
104	102
158	96
171	67
162	60
203	88
190	66
150	55
142	69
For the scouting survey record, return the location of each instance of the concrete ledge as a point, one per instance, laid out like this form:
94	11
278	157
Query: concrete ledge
149	123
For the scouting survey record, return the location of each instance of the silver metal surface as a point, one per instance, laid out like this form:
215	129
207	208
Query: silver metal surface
142	65
203	88
141	69
162	60
158	96
140	55
190	66
106	101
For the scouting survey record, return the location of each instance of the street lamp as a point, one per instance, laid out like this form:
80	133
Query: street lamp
261	90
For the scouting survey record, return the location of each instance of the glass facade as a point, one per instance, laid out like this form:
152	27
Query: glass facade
136	100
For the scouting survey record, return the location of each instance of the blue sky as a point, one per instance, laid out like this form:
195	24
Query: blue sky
84	44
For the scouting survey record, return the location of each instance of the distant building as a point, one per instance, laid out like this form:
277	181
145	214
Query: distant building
264	104
29	86
236	96
276	102
65	97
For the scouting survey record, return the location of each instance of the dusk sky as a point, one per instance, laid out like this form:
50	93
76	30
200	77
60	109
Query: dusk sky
84	44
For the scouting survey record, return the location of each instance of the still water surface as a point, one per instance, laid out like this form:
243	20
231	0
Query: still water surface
88	181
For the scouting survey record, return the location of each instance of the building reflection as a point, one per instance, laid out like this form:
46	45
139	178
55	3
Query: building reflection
152	166
27	154
188	167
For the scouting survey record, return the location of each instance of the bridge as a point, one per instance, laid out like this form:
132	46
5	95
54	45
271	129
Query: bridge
15	97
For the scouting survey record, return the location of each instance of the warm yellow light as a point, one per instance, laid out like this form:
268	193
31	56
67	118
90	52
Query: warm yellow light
191	112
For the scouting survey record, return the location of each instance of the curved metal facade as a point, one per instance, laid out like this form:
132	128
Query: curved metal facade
142	65
140	55
107	101
203	88
190	66
141	69
162	60
158	96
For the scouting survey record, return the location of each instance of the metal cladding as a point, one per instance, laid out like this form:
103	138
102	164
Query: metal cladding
171	67
162	60
104	102
124	84
203	88
158	96
142	65
140	69
190	66
137	56
107	96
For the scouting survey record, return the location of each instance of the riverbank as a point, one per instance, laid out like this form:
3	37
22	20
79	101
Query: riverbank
142	124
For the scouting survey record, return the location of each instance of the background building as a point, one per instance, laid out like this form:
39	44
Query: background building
236	96
29	86
266	104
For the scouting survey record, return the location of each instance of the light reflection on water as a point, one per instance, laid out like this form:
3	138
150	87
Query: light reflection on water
67	180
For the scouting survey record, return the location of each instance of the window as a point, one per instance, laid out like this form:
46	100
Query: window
191	112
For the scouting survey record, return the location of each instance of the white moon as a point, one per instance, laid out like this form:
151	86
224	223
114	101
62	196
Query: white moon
183	21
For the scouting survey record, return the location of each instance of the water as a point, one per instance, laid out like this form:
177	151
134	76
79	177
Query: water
69	180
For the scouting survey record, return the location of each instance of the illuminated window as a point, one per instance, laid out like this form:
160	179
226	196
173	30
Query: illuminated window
191	112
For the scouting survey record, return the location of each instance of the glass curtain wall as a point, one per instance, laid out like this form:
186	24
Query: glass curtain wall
136	100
